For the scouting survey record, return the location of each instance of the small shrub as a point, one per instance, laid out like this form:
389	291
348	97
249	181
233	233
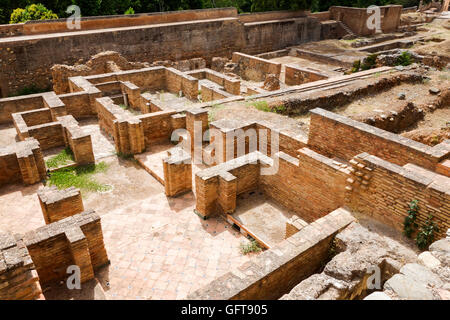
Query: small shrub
426	234
130	10
369	62
250	247
405	59
356	66
410	225
32	12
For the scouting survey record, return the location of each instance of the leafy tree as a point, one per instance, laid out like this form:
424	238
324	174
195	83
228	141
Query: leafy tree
32	12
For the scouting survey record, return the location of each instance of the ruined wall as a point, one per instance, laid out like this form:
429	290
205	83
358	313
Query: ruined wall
254	68
58	204
275	272
295	75
310	185
157	126
336	135
356	18
74	240
18	277
384	190
26	61
22	162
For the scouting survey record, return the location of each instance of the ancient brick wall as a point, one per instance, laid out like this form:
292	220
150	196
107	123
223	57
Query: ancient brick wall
336	135
296	75
157	126
310	185
18	277
59	204
356	18
276	271
177	172
78	140
254	68
74	240
22	161
213	193
384	190
8	106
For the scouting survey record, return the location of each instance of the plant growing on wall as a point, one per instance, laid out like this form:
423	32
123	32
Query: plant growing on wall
405	59
426	234
409	225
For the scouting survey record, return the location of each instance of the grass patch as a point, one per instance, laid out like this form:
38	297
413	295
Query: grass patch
79	177
61	159
264	106
250	247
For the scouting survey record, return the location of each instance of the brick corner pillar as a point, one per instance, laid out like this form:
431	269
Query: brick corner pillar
228	192
177	172
79	250
196	125
206	195
31	161
59	204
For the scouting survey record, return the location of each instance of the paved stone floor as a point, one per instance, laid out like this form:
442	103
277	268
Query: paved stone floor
264	218
158	247
8	135
102	144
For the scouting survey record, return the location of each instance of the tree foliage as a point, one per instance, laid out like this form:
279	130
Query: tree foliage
32	12
111	7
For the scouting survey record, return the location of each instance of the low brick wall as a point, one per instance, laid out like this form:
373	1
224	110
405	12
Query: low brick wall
310	184
336	135
59	204
177	172
254	68
76	240
157	126
22	162
18	277
275	272
177	81
79	141
384	190
296	75
217	187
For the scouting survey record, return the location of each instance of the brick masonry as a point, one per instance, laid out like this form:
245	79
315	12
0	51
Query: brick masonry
77	239
276	271
18	277
58	204
335	135
384	190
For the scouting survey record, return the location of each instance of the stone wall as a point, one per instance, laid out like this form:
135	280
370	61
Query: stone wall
275	272
76	240
336	135
18	277
384	190
356	18
296	75
22	162
254	68
78	140
59	204
26	60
